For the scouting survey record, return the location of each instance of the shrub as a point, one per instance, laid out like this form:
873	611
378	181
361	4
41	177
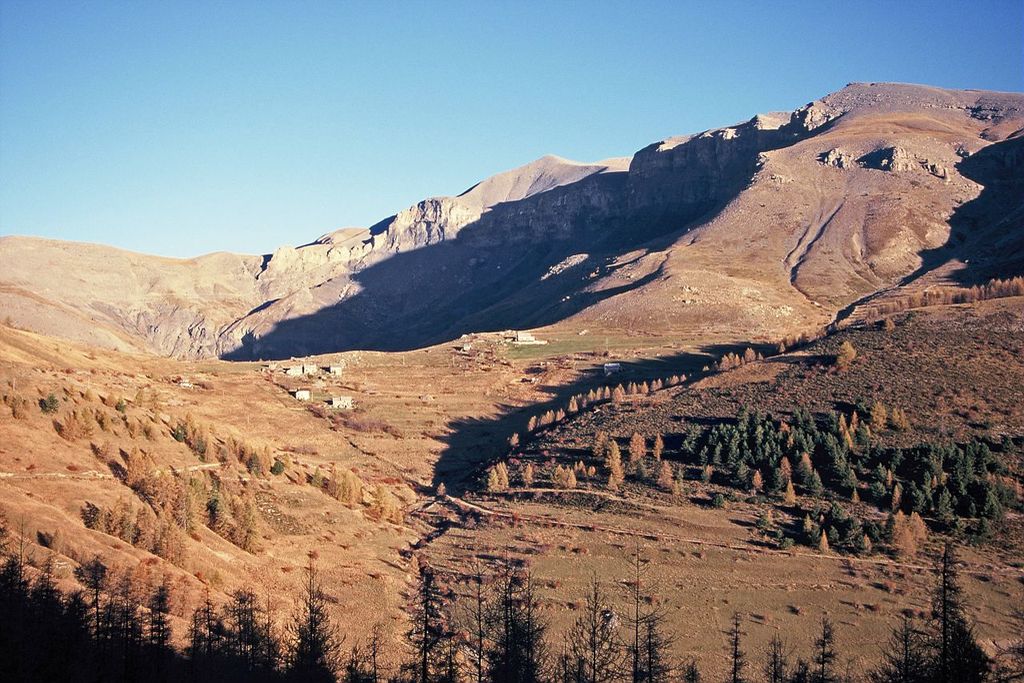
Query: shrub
180	432
277	467
50	404
846	355
718	501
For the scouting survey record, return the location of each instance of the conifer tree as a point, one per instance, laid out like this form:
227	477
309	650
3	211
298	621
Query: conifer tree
158	630
613	465
789	498
825	655
593	648
666	478
737	657
528	475
959	658
905	659
637	448
315	644
428	631
776	661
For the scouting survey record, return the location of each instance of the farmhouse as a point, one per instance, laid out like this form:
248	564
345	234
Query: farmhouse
335	369
341	402
301	394
293	370
310	369
612	369
521	338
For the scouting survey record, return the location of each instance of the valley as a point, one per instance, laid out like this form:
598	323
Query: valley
837	287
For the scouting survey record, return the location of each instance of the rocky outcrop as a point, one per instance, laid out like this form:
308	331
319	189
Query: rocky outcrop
737	206
837	158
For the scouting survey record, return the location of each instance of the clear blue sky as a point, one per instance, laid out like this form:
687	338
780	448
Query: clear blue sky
185	127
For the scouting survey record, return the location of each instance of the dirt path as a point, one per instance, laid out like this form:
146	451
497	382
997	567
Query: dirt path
91	475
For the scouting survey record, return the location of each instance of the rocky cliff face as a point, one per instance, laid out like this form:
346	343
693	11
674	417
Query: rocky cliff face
776	222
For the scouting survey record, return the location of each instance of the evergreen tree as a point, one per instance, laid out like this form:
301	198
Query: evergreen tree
776	661
315	644
905	659
158	631
737	658
428	630
825	655
593	652
958	656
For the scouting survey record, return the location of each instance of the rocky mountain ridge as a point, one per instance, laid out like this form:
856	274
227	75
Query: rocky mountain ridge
760	228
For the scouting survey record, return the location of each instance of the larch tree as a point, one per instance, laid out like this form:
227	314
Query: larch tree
315	644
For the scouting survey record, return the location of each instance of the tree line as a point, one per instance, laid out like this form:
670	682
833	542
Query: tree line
490	629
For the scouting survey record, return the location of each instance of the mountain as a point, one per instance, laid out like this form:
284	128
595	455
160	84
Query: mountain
759	230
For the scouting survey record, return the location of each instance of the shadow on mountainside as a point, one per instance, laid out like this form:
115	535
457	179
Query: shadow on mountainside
498	272
473	444
986	233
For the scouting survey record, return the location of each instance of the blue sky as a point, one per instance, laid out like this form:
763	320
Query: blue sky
180	128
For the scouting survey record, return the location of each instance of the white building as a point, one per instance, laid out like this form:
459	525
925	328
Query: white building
341	402
302	394
612	368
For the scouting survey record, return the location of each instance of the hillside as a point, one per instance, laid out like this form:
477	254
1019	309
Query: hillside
756	230
719	540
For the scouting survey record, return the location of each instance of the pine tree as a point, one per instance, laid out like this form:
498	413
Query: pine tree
905	659
737	658
825	655
959	658
593	649
776	661
315	644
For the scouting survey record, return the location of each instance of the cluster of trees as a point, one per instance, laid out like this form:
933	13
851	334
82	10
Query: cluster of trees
492	629
734	360
994	289
578	402
175	505
838	453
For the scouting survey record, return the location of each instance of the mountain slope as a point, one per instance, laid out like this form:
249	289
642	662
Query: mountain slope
755	230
